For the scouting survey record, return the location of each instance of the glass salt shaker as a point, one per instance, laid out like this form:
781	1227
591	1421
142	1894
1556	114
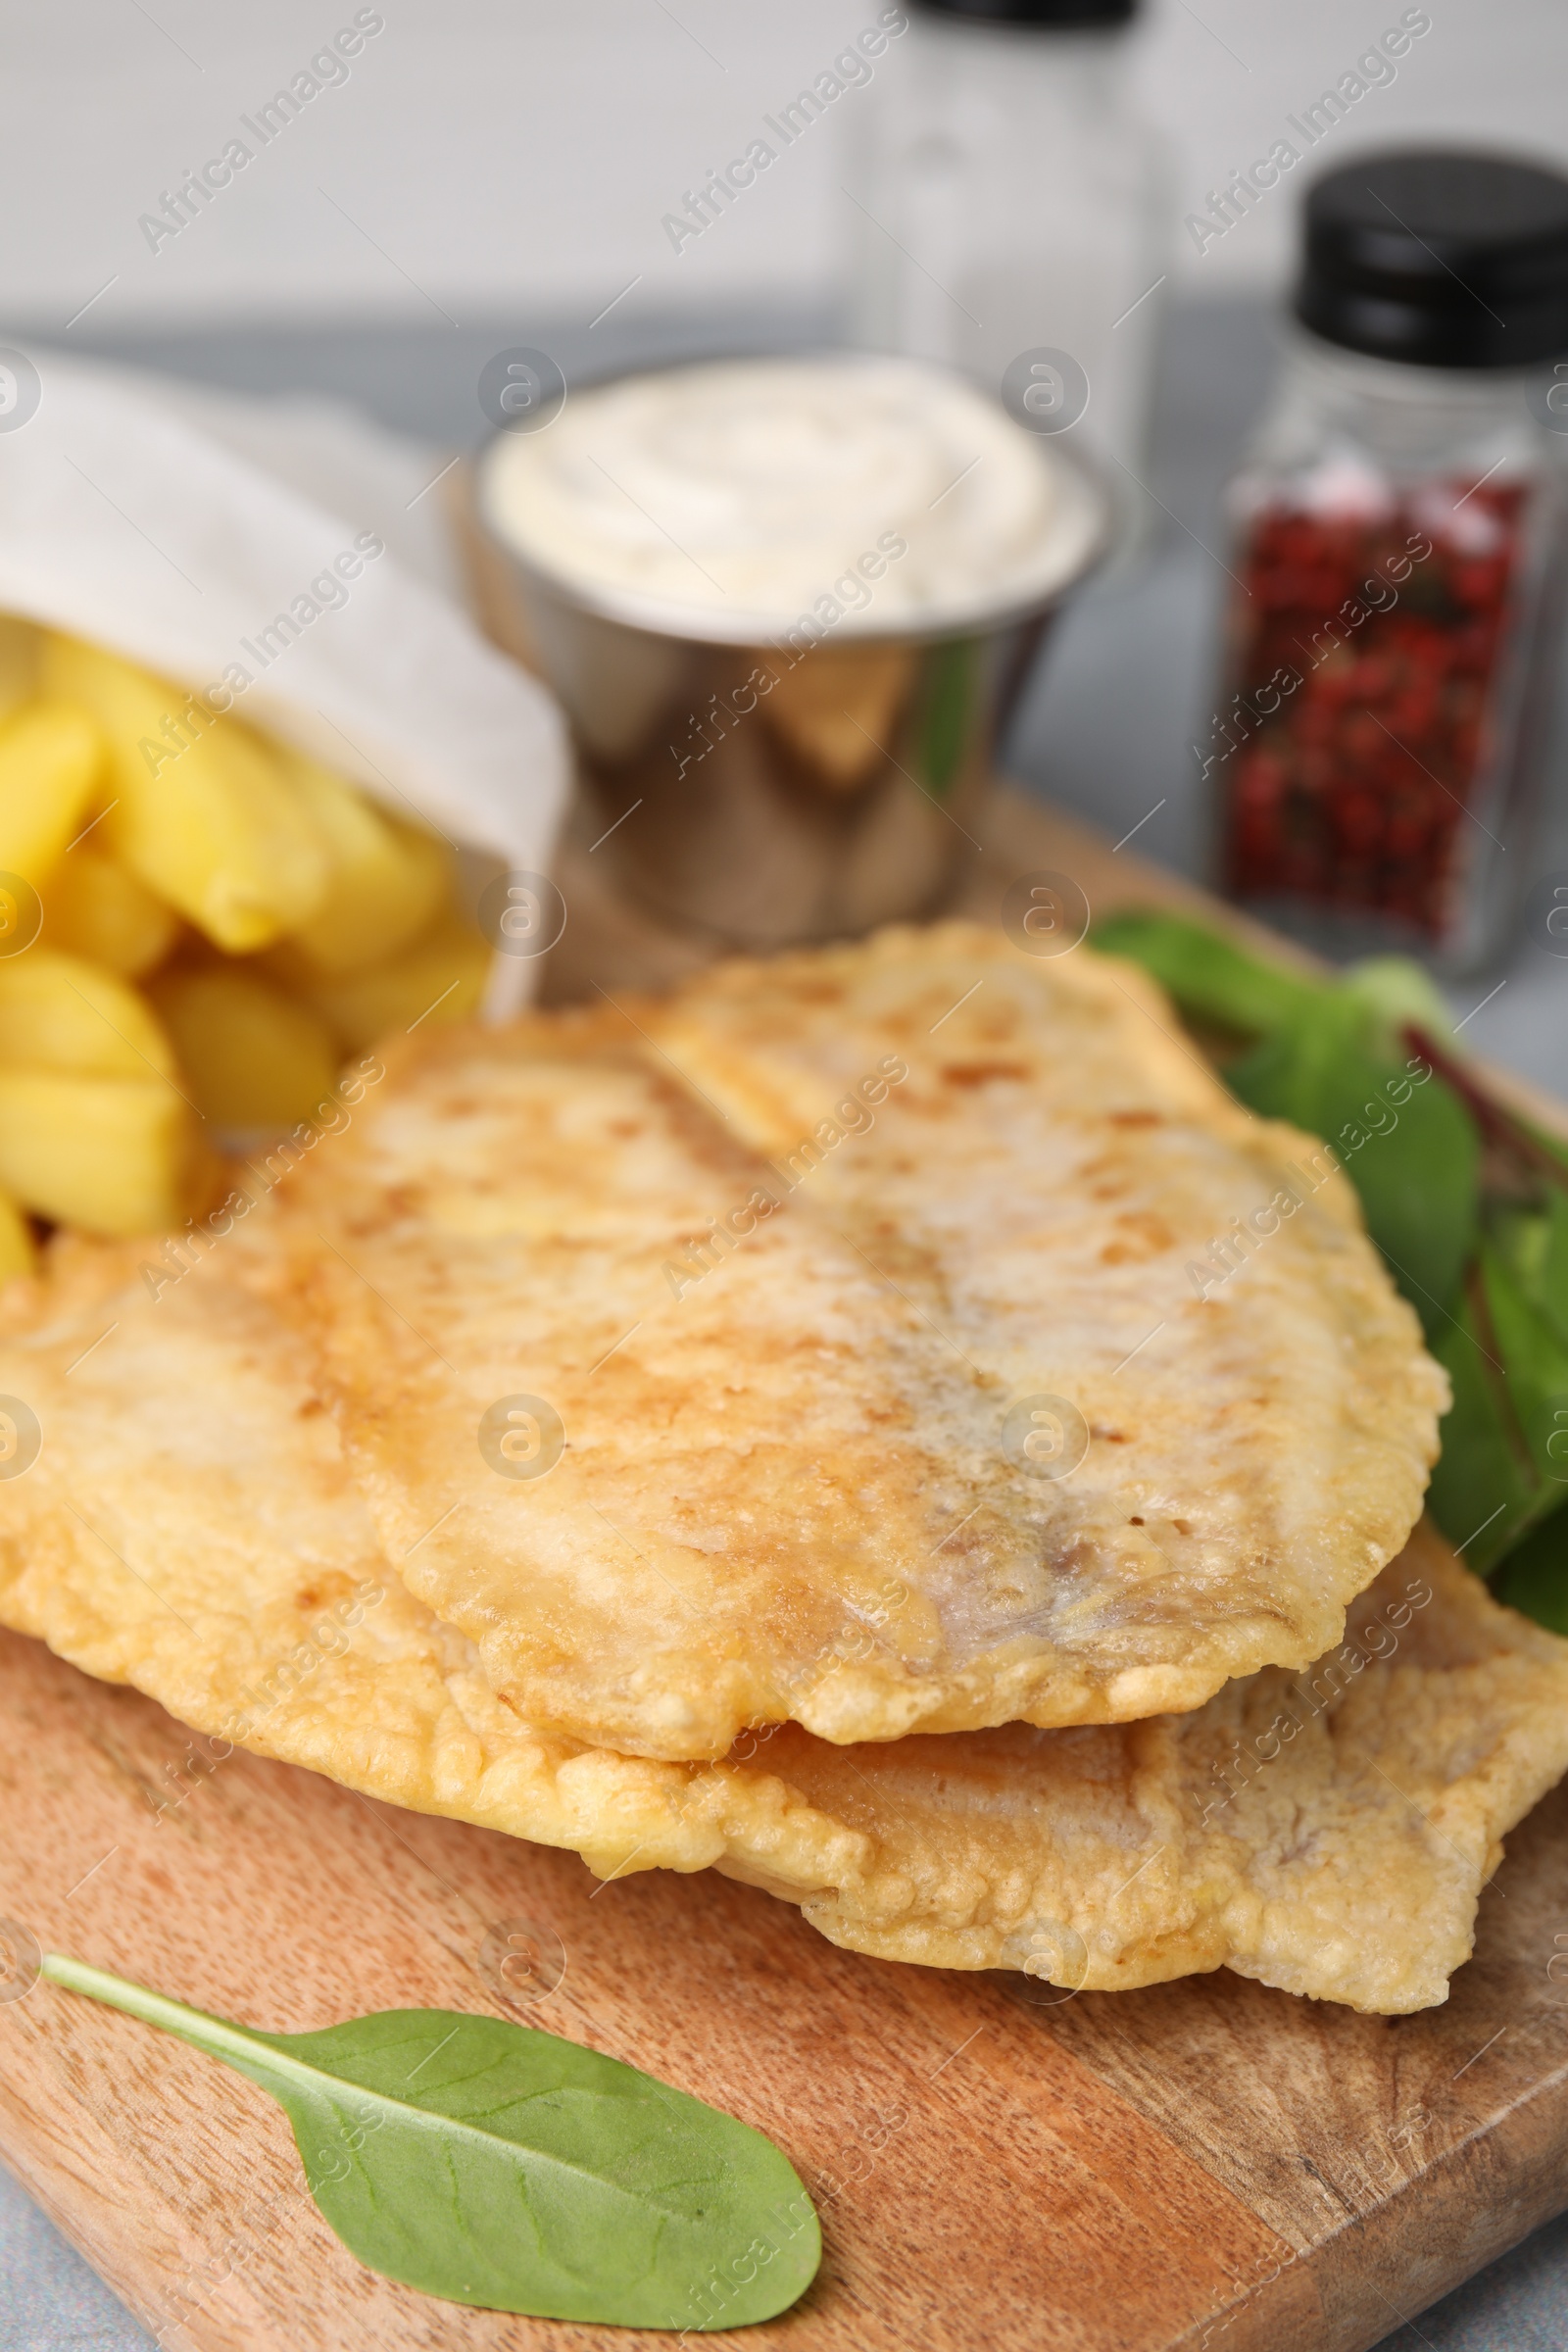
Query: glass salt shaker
1386	714
1012	218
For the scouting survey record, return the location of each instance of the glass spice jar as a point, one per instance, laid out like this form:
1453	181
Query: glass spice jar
1398	536
1009	218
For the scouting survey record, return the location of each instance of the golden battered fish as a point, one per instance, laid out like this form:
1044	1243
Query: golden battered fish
1327	1831
824	1347
189	1524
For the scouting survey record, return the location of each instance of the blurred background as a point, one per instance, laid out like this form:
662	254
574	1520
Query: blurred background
476	177
509	162
485	176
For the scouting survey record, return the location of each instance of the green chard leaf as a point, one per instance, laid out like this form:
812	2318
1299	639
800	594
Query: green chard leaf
1534	1577
1536	1357
1210	978
1521	1236
1406	1141
1484	1493
1402	995
497	2166
1549	1290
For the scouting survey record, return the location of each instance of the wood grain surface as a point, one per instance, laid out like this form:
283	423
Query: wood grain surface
1202	2163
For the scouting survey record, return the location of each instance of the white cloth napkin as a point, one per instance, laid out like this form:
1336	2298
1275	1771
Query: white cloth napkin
126	522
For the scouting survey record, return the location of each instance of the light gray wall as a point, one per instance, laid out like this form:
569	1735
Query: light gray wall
488	156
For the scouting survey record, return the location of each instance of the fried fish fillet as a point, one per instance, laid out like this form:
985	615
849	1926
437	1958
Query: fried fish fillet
190	1526
1327	1832
798	1293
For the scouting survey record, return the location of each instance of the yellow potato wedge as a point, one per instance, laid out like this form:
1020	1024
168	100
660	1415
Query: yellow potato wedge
205	814
61	1014
51	766
111	1154
20	643
388	879
252	1056
439	978
16	1241
97	909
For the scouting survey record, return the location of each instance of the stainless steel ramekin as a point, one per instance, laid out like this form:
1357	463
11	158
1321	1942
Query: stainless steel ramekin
755	793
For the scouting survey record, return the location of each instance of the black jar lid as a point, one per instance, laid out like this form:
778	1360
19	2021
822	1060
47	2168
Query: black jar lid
1051	16
1440	258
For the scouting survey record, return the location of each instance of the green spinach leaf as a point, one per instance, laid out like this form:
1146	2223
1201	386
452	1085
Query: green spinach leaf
1402	995
1404	1140
1210	978
1549	1280
1537	1359
1534	1577
494	2165
1484	1491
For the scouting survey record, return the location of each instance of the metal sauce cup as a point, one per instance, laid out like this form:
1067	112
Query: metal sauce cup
754	792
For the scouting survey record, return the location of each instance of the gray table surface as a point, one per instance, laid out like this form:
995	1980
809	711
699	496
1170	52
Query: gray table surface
1107	730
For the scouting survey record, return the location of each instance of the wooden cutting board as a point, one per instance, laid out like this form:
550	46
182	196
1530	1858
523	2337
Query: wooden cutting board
1203	2164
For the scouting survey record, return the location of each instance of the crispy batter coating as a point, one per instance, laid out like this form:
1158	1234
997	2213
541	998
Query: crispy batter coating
1327	1831
191	1526
822	1273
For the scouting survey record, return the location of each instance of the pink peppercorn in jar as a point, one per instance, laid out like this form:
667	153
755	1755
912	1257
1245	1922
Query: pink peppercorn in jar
1398	557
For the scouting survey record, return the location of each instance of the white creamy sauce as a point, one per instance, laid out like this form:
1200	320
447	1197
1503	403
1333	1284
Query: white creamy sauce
873	493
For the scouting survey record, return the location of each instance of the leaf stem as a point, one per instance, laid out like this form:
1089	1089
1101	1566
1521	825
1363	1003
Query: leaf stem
208	2033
